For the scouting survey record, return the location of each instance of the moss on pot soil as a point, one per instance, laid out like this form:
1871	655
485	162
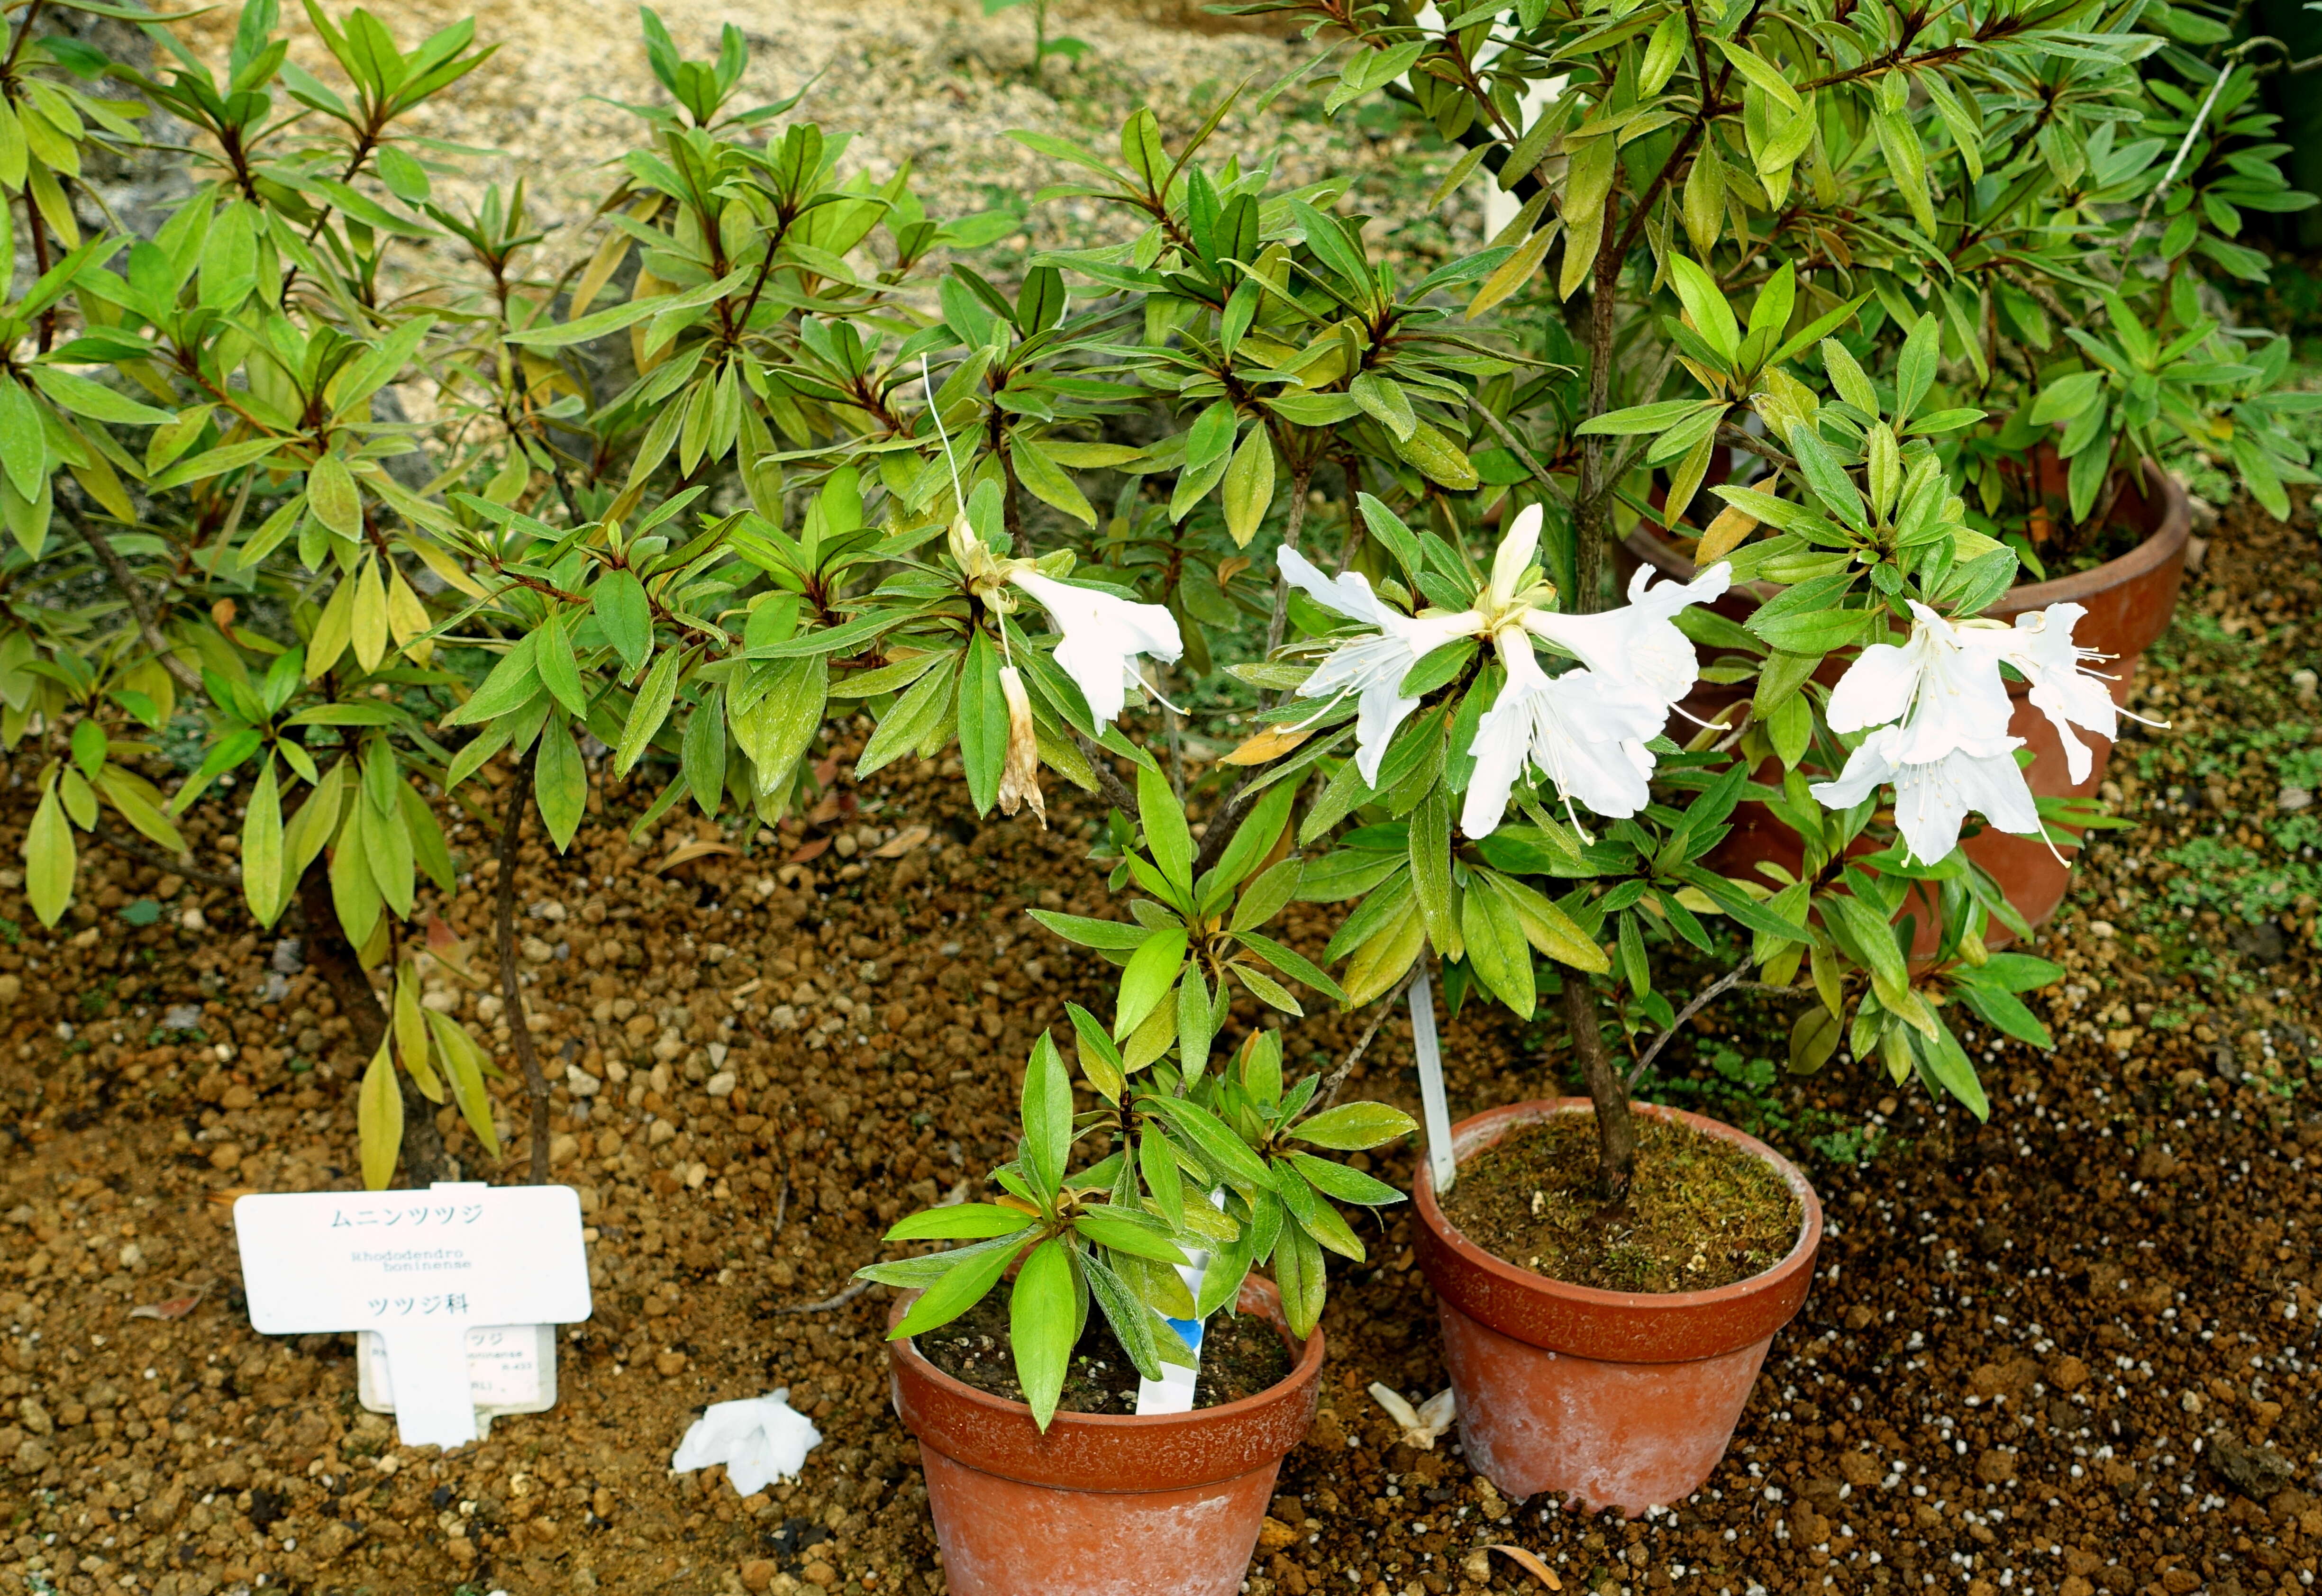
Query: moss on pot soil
1242	1356
1702	1212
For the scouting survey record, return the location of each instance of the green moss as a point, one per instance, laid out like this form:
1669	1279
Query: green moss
1702	1212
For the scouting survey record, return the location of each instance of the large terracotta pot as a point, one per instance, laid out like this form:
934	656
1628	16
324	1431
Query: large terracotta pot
1614	1399
2129	603
1103	1505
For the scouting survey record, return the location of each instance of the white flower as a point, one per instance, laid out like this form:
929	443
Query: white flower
2041	646
1639	644
1933	797
1373	667
1942	710
1941	687
1585	734
1101	634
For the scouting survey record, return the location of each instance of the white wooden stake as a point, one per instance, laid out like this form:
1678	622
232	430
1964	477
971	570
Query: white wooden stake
1434	1106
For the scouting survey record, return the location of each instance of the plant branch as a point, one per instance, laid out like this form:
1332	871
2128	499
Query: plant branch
134	592
827	1303
1337	1077
536	1085
1709	994
1616	1127
1299	476
1108	784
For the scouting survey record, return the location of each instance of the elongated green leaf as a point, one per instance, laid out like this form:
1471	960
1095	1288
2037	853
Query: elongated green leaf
50	859
262	847
962	1221
1043	1323
645	716
1047	1111
962	1287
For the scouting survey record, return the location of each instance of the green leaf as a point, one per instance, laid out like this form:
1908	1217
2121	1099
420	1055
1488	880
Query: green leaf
1354	1126
962	1287
1712	316
83	398
560	783
1122	1235
50	859
262	847
560	672
511	685
333	497
1117	935
1165	834
962	1221
24	445
1048	481
624	617
982	722
1047	1111
1043	1323
1249	485
1347	1185
1430	869
1496	947
1151	973
645	716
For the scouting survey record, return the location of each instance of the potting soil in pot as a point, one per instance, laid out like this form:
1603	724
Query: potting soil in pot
1702	1212
1242	1356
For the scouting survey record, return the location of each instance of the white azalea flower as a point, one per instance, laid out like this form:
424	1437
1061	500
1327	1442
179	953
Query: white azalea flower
1101	634
1933	797
1586	730
2041	646
1582	730
1942	688
1371	667
1639	644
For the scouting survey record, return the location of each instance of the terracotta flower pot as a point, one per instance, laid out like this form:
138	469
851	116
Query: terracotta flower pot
1103	1505
1614	1398
2129	603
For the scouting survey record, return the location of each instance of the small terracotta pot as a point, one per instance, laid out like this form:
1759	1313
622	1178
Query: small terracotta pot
1103	1505
1612	1399
2129	603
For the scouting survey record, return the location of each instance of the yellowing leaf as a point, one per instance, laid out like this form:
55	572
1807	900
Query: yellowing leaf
1728	532
332	632
367	623
411	1034
1514	272
1268	745
378	1120
51	858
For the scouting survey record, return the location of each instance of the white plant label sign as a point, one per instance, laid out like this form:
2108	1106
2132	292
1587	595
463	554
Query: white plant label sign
511	1369
420	1269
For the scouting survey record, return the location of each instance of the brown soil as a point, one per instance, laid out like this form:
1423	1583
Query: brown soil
1242	1355
2059	1348
1702	1212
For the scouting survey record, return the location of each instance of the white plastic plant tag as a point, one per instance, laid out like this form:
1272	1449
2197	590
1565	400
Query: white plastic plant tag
420	1270
1174	1391
511	1369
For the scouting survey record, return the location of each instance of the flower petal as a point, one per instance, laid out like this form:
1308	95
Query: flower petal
1102	633
1347	594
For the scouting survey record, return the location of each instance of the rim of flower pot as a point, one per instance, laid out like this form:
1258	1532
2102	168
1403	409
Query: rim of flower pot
1588	1321
2165	542
1111	1453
